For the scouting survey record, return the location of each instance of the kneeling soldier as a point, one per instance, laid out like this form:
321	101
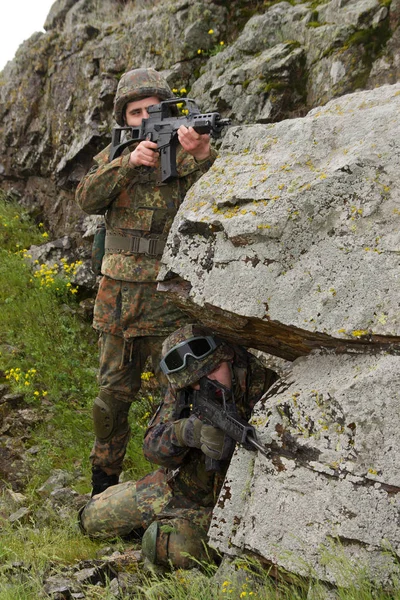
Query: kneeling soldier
174	503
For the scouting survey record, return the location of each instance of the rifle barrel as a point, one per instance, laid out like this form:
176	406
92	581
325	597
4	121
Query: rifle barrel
258	446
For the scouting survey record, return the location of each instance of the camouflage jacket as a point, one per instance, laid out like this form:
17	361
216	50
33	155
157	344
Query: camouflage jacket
185	467
134	200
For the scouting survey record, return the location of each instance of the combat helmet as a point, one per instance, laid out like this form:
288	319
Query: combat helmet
137	84
192	352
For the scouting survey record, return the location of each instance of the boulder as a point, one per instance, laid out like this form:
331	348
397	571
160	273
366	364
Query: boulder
290	242
326	501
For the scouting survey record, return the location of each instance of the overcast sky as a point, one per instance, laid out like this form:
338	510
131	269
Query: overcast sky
19	19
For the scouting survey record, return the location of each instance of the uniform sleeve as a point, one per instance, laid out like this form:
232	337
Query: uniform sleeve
202	167
104	182
160	444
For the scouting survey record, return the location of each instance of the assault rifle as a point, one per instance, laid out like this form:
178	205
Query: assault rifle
224	416
162	127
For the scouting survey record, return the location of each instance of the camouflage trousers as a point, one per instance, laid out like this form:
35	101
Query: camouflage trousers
126	507
122	362
133	320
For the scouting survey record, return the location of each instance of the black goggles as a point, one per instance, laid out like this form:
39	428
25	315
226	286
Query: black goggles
197	347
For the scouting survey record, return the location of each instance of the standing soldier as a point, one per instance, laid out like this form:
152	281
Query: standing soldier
174	503
132	317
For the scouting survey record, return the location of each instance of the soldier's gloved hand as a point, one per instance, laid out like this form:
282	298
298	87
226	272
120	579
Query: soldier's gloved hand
187	432
215	443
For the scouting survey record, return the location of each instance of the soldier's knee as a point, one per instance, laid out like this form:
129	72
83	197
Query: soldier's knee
177	542
112	513
110	416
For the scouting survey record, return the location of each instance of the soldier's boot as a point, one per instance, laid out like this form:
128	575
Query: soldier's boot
175	542
112	513
101	481
110	421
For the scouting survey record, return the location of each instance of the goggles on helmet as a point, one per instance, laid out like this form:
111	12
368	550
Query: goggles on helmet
197	347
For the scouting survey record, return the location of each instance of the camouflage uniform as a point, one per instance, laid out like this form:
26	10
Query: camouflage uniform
182	493
131	315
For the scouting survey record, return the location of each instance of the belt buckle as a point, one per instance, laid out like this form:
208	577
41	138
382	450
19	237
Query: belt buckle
152	249
135	241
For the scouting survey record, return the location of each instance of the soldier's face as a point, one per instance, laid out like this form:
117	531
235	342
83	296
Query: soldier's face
222	374
137	110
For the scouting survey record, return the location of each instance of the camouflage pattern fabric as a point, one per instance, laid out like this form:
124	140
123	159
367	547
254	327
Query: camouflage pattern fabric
195	369
133	199
133	506
137	84
127	309
133	320
121	364
188	475
181	492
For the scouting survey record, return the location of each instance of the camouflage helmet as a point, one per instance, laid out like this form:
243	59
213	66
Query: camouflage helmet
137	84
195	368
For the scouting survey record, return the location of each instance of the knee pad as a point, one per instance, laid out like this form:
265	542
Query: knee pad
110	416
176	542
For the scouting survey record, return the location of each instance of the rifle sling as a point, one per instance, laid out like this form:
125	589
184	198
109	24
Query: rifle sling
153	245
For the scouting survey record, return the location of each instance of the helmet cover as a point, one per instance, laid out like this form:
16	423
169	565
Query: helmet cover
195	368
137	84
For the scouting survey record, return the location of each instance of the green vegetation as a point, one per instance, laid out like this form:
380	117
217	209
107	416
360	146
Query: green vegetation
373	40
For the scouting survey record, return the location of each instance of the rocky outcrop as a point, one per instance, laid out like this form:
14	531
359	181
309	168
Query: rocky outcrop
290	244
325	503
291	240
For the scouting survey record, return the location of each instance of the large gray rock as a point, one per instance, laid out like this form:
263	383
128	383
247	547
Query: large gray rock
326	502
294	232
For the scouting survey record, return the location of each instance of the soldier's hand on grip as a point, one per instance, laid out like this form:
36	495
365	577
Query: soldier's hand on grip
188	432
215	443
145	154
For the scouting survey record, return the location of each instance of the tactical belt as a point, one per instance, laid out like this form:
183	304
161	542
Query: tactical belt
135	244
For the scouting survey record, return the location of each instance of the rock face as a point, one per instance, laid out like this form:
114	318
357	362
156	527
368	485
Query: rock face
290	244
326	502
295	229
